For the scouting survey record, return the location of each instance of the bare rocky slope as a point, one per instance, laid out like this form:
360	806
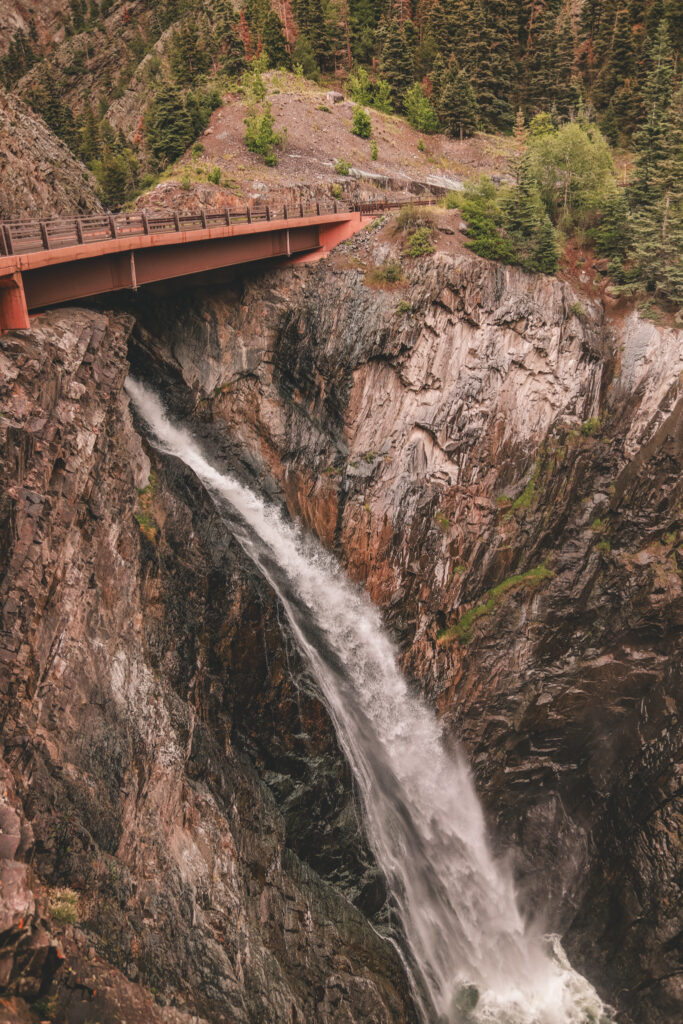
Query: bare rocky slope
40	175
500	466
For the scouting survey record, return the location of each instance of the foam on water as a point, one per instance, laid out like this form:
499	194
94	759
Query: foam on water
470	955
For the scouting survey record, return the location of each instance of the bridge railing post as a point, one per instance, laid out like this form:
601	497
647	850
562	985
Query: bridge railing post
284	212
227	216
336	208
317	207
301	209
248	214
9	247
79	230
44	235
203	217
176	220
267	212
112	226
145	222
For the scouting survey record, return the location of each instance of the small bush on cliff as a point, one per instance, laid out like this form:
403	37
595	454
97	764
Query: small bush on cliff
63	904
342	167
361	125
388	273
411	217
419	243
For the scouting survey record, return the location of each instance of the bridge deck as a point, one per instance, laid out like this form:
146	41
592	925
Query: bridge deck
49	262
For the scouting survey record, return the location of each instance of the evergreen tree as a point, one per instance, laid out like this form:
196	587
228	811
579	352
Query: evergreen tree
168	125
91	145
657	250
189	54
231	54
545	253
458	103
397	64
650	140
274	42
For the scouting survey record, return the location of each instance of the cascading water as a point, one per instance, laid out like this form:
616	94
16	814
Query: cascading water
472	959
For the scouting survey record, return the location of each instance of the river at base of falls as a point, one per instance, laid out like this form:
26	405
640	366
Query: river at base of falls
470	955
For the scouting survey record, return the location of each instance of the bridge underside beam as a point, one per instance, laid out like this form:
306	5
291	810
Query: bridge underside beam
95	275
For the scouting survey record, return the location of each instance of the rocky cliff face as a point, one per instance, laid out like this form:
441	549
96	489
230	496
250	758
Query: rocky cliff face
163	754
500	467
40	175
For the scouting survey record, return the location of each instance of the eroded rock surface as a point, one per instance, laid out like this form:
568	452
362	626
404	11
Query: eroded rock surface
40	175
148	690
501	467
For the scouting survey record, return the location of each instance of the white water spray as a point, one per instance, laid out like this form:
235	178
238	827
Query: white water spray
472	959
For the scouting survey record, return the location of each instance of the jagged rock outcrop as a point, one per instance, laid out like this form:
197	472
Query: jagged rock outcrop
164	753
501	467
40	175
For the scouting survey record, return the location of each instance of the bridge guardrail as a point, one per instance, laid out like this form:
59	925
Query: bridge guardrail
25	236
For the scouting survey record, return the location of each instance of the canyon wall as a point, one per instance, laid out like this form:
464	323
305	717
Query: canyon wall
163	751
500	466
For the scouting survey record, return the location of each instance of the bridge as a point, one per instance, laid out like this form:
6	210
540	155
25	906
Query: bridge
45	263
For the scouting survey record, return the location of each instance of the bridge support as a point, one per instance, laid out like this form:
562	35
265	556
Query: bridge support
13	309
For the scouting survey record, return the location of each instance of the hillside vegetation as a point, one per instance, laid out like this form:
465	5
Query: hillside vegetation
133	85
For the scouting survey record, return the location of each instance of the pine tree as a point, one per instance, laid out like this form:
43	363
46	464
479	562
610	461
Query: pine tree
657	250
189	54
229	43
274	42
545	253
168	124
651	138
397	64
91	144
458	103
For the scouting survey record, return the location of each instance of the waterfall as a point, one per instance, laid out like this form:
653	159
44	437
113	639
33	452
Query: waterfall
472	959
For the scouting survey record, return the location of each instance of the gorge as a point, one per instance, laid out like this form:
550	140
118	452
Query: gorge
502	475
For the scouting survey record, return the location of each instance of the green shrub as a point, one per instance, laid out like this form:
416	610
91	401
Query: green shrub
325	110
342	167
361	125
63	904
412	216
260	137
419	243
360	87
419	111
590	427
388	273
197	149
373	150
382	98
214	176
336	191
421	146
451	201
485	218
404	307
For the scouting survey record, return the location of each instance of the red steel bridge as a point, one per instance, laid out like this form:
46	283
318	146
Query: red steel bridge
44	263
